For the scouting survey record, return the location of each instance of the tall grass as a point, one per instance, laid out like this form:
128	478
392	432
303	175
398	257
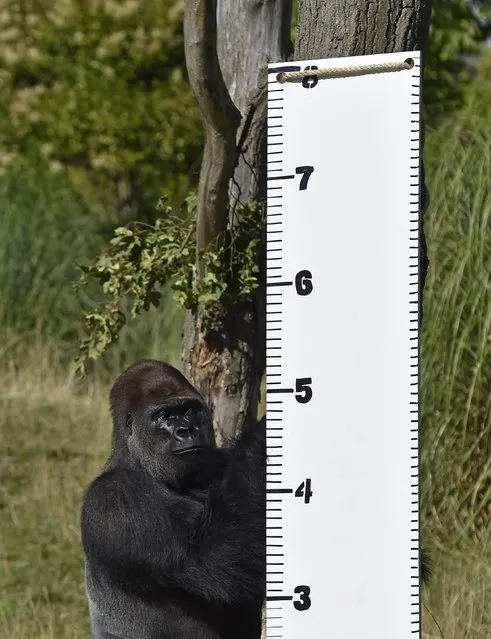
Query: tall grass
456	376
45	227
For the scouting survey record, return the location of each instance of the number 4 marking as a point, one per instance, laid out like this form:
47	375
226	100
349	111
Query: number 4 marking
304	491
305	172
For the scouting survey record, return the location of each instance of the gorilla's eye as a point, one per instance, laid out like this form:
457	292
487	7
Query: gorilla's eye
129	422
190	414
161	419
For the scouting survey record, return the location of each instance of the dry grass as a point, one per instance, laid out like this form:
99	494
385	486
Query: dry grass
54	440
457	602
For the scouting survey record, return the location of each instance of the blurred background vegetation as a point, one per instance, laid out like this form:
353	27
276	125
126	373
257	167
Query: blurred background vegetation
96	123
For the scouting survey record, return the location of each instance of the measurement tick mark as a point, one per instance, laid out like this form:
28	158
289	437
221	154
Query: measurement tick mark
281	177
282	598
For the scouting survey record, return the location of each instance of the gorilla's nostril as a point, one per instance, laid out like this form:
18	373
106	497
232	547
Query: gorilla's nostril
183	432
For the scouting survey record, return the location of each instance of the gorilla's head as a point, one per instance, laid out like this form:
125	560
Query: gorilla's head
161	423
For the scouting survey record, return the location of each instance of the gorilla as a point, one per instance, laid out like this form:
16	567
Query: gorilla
173	528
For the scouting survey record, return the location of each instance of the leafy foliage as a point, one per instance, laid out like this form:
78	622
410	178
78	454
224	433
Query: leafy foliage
142	258
99	85
458	28
46	230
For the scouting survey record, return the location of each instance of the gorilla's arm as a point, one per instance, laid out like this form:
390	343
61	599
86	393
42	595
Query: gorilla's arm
212	546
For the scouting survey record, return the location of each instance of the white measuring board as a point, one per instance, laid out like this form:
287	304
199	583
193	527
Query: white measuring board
342	353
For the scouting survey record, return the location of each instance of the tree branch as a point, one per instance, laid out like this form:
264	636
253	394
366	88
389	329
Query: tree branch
219	115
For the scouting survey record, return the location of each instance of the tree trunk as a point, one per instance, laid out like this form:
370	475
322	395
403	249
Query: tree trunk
337	28
227	364
251	34
227	71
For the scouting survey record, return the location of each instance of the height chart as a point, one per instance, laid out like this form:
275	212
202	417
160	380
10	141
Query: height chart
342	348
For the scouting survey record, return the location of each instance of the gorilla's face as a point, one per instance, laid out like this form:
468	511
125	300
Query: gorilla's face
171	439
182	426
163	422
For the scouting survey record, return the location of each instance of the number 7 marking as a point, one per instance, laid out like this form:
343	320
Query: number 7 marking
305	172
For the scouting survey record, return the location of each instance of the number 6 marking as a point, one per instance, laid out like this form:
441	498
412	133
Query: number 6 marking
303	282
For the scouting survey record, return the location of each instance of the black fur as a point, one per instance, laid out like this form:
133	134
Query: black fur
174	537
425	567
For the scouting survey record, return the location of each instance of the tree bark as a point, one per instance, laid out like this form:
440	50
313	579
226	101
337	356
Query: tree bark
251	33
337	28
227	363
